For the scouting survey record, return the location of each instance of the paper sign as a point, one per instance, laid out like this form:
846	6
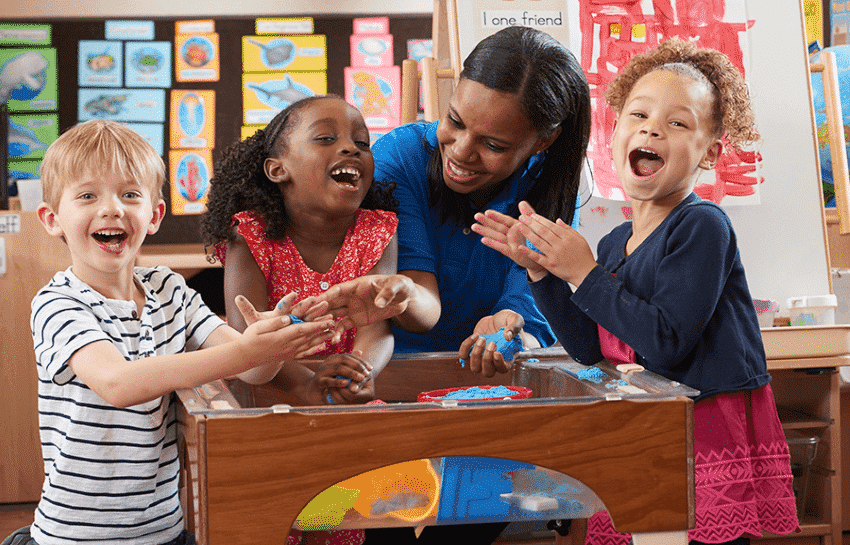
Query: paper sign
294	25
291	53
192	119
148	64
205	26
100	63
190	180
371	25
29	79
196	57
24	34
129	30
147	105
376	92
264	95
30	135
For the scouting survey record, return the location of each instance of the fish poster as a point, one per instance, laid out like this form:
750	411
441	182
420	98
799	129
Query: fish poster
146	105
152	132
190	172
376	92
306	53
28	79
147	64
196	57
30	135
264	95
192	119
604	35
100	63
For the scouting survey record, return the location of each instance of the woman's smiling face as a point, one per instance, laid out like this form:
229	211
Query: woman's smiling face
484	137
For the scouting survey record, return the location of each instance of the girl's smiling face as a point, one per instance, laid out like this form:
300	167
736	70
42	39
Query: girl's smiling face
484	137
663	135
327	165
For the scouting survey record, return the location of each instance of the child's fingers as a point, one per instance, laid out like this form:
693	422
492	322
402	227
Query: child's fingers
246	309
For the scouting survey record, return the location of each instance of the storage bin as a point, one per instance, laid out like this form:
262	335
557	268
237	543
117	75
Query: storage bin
812	309
804	449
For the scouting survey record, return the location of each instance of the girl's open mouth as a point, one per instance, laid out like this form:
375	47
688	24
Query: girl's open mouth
645	162
346	175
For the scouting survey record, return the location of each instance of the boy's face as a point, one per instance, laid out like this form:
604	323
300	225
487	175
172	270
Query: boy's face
664	133
327	167
104	218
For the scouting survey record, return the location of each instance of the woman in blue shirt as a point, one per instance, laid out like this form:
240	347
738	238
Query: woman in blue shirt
516	128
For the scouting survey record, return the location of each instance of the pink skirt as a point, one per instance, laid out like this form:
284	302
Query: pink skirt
742	472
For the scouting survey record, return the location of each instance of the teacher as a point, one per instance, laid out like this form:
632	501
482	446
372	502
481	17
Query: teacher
516	128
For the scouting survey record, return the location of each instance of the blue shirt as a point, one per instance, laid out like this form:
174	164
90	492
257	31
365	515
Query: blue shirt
680	300
474	280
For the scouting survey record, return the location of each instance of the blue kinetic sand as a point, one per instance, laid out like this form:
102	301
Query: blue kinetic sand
471	486
295	319
507	348
480	393
584	372
528	244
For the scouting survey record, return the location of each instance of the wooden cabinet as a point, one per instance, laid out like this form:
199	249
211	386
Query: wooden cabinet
807	393
32	257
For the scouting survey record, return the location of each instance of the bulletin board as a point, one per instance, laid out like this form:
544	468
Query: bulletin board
185	229
781	237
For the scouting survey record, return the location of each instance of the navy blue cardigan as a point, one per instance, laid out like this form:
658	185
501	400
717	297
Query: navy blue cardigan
680	300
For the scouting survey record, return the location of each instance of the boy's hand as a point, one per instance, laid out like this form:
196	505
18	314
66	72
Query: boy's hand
562	251
483	357
368	299
343	379
307	310
276	339
503	234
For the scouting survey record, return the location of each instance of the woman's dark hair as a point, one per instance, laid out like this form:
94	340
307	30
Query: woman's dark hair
240	182
554	93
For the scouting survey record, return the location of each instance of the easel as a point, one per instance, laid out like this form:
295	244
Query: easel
439	73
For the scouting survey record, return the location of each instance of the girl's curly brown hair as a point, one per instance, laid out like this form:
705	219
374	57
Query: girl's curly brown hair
239	182
733	114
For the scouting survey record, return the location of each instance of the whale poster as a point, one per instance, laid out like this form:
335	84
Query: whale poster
28	79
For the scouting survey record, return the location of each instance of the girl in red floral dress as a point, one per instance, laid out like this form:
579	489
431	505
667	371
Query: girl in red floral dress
294	208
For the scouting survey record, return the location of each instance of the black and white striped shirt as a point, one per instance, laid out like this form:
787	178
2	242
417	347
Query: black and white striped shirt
111	475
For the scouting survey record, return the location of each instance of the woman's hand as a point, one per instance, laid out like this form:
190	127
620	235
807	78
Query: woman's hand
503	234
482	356
368	299
342	379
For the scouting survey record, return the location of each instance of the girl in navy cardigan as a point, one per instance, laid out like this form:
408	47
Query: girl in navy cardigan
668	290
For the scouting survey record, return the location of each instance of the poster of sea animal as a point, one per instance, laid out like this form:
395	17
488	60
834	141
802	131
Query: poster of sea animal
190	172
192	119
377	94
100	63
371	50
28	79
306	53
264	95
146	105
147	64
30	135
196	57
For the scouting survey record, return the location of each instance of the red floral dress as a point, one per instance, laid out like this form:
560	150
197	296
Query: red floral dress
285	271
742	466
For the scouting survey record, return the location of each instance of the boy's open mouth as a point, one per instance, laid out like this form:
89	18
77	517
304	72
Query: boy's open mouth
346	175
110	236
645	162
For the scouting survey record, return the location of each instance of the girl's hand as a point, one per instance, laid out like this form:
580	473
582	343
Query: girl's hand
562	251
503	234
483	357
368	299
307	310
343	379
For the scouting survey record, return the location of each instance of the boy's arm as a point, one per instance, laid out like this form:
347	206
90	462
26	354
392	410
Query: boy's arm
125	383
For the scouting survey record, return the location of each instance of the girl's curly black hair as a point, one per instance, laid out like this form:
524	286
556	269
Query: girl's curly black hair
239	182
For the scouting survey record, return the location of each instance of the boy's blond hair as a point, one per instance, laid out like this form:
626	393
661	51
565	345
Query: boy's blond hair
100	146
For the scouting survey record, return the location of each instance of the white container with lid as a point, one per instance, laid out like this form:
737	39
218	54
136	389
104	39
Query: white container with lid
812	309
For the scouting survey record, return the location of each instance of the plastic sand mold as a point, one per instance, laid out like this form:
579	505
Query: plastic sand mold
408	491
327	509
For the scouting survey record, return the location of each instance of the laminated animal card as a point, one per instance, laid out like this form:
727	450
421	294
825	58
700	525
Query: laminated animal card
100	63
264	95
192	119
190	172
376	92
147	64
147	105
30	135
196	57
28	80
371	50
306	53
152	132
